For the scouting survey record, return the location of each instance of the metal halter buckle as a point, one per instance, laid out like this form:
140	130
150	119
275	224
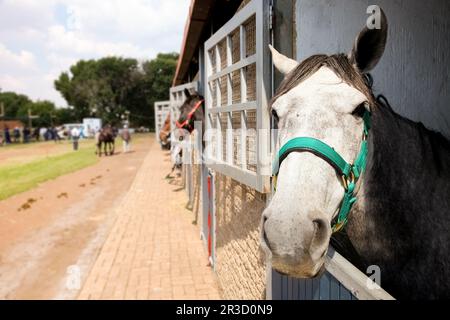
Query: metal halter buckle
346	181
365	136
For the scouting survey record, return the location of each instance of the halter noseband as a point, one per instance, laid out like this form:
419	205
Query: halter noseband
350	173
190	115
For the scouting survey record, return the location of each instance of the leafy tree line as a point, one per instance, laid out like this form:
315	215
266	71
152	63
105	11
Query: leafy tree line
17	106
111	87
106	88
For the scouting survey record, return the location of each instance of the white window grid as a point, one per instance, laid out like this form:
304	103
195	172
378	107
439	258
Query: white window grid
238	83
162	110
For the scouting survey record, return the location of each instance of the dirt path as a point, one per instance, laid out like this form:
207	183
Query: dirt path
66	224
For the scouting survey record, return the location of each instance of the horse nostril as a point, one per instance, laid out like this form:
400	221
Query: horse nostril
264	219
266	241
320	231
263	231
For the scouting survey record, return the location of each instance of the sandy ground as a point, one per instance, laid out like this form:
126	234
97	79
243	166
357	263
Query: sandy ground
66	225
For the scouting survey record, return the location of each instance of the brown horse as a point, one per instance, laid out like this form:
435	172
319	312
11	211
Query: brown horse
192	111
164	134
106	137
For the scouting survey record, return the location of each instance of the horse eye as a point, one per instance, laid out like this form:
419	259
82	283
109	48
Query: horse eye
359	110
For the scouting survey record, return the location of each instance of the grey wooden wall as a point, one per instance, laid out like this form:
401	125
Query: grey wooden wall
414	72
323	288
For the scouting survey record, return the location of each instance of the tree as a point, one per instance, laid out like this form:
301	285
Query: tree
45	110
65	86
65	115
158	77
13	102
109	87
99	87
17	106
159	73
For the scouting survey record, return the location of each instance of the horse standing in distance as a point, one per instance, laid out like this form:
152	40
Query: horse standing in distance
106	137
164	134
400	179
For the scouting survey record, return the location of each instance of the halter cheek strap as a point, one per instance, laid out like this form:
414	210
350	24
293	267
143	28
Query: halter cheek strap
350	173
190	115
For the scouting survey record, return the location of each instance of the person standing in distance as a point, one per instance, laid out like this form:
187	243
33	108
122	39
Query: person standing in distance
75	134
126	138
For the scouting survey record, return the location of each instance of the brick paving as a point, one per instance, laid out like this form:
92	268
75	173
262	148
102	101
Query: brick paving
153	250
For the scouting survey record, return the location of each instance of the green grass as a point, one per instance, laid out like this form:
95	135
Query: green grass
15	179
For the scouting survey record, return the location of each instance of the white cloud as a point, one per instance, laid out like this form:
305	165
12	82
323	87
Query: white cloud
64	42
11	83
19	63
135	19
16	14
38	87
41	38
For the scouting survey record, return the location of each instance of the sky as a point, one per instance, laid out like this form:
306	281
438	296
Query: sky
39	39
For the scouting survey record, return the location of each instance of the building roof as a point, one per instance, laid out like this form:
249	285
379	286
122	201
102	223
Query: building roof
205	16
197	18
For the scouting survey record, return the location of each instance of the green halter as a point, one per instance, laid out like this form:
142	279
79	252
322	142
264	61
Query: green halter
350	173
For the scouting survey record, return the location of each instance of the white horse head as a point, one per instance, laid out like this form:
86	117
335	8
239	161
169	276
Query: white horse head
324	97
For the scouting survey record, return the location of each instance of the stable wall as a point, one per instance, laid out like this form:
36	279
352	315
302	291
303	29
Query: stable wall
240	264
414	71
197	203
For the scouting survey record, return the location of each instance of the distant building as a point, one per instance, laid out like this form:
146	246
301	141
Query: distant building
11	124
91	126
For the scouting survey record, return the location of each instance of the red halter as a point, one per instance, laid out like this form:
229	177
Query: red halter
190	115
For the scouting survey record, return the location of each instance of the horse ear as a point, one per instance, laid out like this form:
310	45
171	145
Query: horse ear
370	44
187	93
283	64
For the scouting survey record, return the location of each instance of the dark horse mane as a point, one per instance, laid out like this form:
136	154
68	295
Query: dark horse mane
401	220
339	63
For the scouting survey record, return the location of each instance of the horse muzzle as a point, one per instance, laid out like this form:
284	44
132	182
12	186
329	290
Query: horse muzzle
296	251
